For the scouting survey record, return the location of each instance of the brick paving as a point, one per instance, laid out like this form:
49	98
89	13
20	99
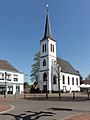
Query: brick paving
82	97
80	116
84	116
4	107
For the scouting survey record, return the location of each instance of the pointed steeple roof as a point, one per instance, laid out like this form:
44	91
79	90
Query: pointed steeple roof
47	33
47	28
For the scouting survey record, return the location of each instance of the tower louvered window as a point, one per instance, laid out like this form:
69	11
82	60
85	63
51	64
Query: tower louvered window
44	48
52	47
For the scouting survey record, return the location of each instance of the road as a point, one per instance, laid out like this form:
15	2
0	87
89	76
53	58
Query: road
29	109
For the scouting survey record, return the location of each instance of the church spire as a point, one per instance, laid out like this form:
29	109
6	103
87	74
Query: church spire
47	26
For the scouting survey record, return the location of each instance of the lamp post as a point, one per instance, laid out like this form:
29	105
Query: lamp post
5	84
58	72
46	87
57	69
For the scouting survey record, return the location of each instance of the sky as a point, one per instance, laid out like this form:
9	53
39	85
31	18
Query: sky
22	24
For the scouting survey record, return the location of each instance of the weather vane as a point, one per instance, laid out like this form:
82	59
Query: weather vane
47	7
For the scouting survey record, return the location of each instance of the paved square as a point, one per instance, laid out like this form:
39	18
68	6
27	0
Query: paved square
42	109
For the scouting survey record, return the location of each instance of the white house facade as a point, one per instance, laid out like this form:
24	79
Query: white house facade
69	78
11	80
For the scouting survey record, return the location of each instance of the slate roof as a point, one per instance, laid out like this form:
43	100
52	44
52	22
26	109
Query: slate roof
67	67
86	81
5	65
47	33
47	28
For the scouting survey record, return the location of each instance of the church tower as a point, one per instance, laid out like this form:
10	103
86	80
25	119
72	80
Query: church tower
47	57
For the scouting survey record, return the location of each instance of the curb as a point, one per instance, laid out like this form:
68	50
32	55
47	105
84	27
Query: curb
72	116
11	107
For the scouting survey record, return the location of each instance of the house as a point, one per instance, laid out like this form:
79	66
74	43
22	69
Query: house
11	80
54	75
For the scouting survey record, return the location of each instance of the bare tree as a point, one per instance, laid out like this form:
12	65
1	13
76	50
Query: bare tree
56	69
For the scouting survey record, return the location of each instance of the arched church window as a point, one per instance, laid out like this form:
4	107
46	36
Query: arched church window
68	80
44	77
54	79
44	62
72	80
63	79
76	81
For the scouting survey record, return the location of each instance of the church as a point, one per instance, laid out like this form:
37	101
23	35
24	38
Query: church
55	73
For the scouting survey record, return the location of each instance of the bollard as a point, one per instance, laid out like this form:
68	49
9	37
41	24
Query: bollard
73	95
15	95
24	95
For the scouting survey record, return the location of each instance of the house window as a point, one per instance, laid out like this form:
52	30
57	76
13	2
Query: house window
72	80
68	80
18	89
8	77
15	78
1	76
54	80
10	90
76	81
63	79
44	62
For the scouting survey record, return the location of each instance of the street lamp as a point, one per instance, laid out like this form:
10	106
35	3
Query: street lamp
26	77
46	86
58	72
5	84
